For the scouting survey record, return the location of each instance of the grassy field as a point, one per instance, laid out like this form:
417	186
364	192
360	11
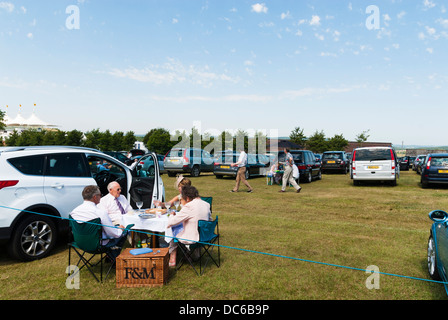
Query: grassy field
330	221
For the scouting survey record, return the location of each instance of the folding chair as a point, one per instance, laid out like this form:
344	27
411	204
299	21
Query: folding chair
209	200
87	239
206	244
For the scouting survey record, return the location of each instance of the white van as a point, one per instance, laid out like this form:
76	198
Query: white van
374	163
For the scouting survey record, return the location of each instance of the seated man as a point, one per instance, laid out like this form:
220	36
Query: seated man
88	210
114	203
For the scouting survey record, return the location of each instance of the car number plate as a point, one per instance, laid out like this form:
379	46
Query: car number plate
225	167
443	171
331	161
174	160
373	167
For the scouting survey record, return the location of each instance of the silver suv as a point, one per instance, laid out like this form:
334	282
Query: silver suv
188	160
40	186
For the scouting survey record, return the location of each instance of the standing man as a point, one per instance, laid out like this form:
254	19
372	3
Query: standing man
114	203
287	174
241	173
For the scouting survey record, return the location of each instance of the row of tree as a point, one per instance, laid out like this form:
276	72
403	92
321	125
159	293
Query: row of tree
106	141
161	141
318	143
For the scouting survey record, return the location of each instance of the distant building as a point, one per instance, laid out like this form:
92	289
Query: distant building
19	123
416	152
285	143
353	145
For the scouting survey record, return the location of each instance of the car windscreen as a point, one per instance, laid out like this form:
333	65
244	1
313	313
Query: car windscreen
373	154
175	153
439	162
330	156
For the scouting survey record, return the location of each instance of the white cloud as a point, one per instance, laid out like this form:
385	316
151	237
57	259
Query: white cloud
172	72
174	21
259	8
430	50
286	15
428	4
8	6
443	22
315	21
319	36
29	35
228	98
430	31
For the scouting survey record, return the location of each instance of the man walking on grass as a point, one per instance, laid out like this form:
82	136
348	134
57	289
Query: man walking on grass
241	174
287	175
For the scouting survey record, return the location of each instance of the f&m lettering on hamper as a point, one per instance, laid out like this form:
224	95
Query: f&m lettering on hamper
135	273
144	270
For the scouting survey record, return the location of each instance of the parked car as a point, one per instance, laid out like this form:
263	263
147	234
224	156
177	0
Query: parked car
411	162
188	160
437	254
405	163
117	155
257	164
374	164
419	164
146	164
40	186
335	161
434	169
309	168
416	161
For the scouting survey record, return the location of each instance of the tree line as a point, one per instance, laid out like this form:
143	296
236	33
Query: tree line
105	141
319	143
160	140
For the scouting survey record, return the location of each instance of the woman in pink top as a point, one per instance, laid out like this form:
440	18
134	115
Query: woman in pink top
194	209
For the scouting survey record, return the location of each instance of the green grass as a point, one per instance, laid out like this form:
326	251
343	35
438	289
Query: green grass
330	221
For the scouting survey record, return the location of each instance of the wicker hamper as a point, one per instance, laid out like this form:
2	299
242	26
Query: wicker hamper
144	270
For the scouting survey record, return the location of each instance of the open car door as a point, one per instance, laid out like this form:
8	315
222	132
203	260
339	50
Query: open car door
146	185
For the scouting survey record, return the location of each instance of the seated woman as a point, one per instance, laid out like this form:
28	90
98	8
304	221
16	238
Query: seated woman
194	209
181	182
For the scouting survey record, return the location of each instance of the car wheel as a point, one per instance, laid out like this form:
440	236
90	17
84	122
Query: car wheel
195	172
432	259
319	175
218	176
308	177
33	238
151	171
171	174
247	175
424	183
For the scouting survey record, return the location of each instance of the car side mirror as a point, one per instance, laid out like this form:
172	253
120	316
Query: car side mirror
438	215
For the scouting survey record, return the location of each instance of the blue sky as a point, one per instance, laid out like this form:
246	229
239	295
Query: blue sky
228	65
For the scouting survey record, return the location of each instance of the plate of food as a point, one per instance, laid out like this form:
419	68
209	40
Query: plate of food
155	210
147	215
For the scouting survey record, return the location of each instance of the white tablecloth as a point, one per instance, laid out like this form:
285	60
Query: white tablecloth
152	225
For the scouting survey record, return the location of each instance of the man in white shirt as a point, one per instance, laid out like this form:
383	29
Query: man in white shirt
241	173
114	203
88	210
